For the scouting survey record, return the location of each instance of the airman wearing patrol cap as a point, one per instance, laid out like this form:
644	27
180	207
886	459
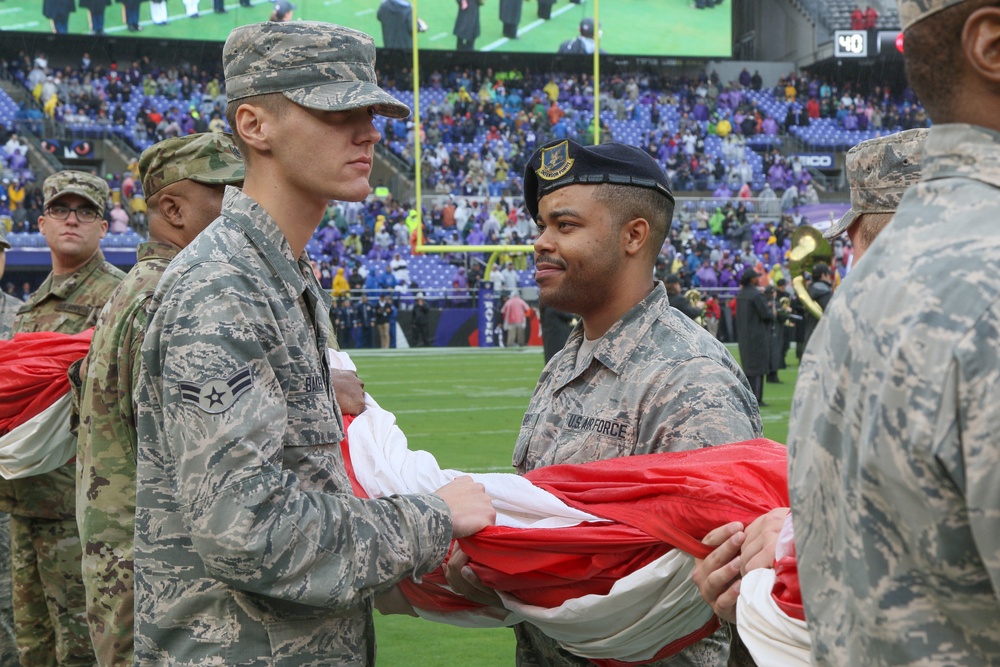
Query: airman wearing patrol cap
43	532
894	463
268	550
878	171
8	303
182	179
643	369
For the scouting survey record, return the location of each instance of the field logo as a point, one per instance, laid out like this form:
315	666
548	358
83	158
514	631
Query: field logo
555	162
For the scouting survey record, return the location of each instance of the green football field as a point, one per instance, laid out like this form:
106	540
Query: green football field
629	27
465	406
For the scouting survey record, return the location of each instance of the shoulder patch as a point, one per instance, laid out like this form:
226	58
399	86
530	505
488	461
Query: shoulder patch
217	395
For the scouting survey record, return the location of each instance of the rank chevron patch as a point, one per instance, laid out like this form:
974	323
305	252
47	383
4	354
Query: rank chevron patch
217	395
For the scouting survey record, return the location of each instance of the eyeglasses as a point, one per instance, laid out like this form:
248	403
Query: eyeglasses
84	215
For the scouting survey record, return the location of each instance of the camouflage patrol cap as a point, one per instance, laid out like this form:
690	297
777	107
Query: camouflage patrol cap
92	188
879	171
208	157
564	162
316	65
4	243
913	11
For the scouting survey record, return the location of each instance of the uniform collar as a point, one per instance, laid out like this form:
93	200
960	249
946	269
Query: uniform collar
67	285
960	149
267	237
156	250
617	345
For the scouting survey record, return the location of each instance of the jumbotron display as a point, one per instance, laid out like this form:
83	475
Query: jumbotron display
675	28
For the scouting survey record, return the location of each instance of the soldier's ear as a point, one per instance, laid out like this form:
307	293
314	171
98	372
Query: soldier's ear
250	123
170	209
981	42
635	235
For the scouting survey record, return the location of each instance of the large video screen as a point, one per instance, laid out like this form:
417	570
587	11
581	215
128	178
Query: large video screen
680	28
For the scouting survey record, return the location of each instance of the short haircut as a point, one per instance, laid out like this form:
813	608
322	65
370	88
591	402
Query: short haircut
628	202
274	103
820	270
932	55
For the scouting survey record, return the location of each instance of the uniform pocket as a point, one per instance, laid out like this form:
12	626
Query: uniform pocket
524	439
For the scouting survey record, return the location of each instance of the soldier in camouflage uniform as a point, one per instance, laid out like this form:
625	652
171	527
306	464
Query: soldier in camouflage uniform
250	548
49	611
9	306
894	459
879	171
636	376
183	181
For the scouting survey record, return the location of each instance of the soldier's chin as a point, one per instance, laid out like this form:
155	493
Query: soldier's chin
550	298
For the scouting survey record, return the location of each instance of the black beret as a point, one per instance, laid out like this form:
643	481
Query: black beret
563	162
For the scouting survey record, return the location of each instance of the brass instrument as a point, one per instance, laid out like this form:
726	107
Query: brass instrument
785	306
693	297
808	248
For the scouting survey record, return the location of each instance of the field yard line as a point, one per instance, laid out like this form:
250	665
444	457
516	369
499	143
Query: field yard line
442	351
19	26
440	35
528	28
332	2
10	10
437	434
434	411
363	12
504	469
449	381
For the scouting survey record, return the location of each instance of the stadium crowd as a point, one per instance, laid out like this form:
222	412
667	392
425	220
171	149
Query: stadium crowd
206	482
478	127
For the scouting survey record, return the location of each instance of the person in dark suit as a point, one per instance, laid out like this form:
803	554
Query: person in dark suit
467	25
96	9
510	16
753	325
396	17
556	327
130	12
345	321
420	327
545	9
58	11
365	314
820	291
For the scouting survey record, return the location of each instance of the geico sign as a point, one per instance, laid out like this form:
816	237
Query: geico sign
817	161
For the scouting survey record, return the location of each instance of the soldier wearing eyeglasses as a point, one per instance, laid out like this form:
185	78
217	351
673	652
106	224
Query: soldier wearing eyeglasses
50	620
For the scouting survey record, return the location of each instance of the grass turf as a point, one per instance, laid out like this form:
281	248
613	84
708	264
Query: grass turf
465	406
669	27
